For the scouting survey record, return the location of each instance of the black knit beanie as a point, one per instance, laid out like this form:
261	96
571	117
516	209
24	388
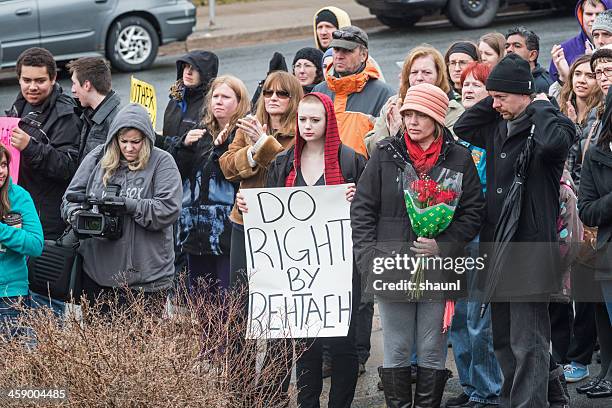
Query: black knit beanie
311	54
327	16
465	48
511	75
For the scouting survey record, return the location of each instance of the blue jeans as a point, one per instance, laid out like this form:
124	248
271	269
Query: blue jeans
38	301
606	290
472	341
9	316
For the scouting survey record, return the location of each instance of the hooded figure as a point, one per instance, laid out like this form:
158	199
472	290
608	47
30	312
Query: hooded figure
575	46
341	165
333	15
143	257
184	108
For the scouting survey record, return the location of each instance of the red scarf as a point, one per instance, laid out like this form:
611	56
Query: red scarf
423	160
332	172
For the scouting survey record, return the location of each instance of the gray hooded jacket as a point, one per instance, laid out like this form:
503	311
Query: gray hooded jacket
144	256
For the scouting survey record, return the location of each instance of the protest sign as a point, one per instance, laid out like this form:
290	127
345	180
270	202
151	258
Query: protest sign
6	129
299	260
143	94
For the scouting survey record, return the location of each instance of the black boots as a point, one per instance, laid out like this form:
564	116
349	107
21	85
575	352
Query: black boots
558	396
397	386
430	387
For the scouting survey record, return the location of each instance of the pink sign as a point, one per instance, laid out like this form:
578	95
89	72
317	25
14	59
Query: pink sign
6	129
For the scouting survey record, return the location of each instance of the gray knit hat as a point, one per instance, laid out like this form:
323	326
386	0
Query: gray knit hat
603	22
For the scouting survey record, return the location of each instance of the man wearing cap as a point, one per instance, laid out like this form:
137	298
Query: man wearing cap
502	124
326	21
526	44
353	83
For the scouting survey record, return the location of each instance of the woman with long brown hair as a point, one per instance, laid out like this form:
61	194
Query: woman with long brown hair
21	236
257	142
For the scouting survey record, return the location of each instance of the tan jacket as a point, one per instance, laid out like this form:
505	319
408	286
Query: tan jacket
235	163
380	131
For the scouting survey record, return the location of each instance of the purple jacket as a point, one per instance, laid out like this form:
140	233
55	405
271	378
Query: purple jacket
574	47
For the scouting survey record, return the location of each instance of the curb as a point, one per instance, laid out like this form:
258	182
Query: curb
209	41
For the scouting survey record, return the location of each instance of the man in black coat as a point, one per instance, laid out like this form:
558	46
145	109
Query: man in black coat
501	123
92	86
47	136
194	73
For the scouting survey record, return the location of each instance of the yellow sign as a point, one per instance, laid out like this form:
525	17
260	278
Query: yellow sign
143	94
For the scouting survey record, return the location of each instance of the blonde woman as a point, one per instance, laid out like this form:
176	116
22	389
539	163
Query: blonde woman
204	228
147	182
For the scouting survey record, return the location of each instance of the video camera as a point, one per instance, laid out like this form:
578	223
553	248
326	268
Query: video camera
106	222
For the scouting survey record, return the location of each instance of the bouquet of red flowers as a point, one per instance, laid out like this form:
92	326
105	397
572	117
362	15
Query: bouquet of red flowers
431	205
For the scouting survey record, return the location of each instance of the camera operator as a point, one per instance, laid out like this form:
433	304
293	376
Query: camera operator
148	196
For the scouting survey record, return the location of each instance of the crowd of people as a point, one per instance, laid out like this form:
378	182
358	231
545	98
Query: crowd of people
532	148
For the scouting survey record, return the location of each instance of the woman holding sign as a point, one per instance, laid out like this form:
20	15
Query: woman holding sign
21	236
318	158
383	233
204	230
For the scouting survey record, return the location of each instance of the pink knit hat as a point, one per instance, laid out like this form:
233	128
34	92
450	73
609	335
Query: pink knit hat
427	99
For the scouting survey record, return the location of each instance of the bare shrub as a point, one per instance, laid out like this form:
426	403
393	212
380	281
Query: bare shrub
194	355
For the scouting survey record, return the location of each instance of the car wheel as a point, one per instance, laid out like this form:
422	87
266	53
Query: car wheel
132	44
398	22
472	13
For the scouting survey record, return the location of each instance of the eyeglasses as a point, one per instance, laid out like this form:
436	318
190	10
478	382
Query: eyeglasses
459	63
280	94
303	66
343	35
606	71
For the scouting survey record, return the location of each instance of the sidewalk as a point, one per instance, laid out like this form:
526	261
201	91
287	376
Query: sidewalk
264	20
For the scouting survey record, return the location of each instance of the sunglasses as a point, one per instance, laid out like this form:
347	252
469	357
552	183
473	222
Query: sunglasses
280	94
343	35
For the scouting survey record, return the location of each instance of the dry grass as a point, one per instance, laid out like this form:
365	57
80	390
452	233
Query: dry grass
192	357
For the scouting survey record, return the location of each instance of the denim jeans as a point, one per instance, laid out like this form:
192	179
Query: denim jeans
9	317
472	341
606	290
39	301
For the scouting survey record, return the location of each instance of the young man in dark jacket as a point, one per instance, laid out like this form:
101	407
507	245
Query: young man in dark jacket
194	72
91	85
526	44
48	139
47	136
502	123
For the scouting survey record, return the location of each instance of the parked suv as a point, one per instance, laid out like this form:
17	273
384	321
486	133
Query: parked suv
127	32
462	13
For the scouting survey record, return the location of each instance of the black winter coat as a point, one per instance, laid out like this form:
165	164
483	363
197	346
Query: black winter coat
533	269
185	107
380	222
204	227
50	159
595	204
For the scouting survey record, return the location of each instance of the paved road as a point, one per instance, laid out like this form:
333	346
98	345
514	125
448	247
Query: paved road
387	47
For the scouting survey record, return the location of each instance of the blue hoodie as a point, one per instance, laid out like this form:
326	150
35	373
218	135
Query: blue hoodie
574	47
16	244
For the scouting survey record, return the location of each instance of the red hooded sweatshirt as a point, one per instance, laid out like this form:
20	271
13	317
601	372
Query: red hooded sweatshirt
332	172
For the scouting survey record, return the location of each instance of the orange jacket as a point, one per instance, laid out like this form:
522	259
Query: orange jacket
358	99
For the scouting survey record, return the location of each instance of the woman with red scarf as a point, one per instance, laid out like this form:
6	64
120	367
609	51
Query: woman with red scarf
319	158
382	231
